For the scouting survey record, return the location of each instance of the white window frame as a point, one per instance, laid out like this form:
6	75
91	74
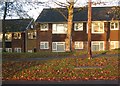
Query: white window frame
98	27
98	44
18	37
42	43
115	46
79	25
44	27
8	49
17	49
56	31
58	43
31	34
114	26
10	37
30	51
78	43
92	27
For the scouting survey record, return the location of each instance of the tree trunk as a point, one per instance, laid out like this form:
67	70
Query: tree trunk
69	28
3	26
89	30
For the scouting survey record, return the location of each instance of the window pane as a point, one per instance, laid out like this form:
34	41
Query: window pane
101	46
8	36
54	28
78	26
41	46
101	27
60	48
112	45
97	27
116	25
112	25
116	44
46	45
54	46
95	47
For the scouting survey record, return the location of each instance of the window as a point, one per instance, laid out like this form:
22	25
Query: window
97	45
114	44
32	35
97	27
78	27
8	49
44	45
8	36
44	27
17	35
59	28
18	50
78	45
30	51
58	46
1	35
114	25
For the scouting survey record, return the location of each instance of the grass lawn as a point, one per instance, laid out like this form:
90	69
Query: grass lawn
62	69
54	54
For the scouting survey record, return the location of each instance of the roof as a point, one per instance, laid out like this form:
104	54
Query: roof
17	25
53	15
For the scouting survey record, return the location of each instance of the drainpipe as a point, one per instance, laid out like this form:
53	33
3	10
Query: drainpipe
26	34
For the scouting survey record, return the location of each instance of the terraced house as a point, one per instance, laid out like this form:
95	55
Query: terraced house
48	32
51	27
15	37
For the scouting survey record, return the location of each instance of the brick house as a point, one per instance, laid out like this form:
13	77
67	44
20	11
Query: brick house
15	34
51	28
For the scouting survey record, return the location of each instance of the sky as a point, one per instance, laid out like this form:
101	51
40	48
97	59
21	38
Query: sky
78	3
34	13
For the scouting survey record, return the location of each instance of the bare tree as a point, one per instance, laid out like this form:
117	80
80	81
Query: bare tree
70	24
11	9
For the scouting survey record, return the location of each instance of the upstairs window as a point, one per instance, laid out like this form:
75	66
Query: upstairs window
78	26
59	28
43	27
17	35
8	36
97	27
114	25
44	45
32	35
